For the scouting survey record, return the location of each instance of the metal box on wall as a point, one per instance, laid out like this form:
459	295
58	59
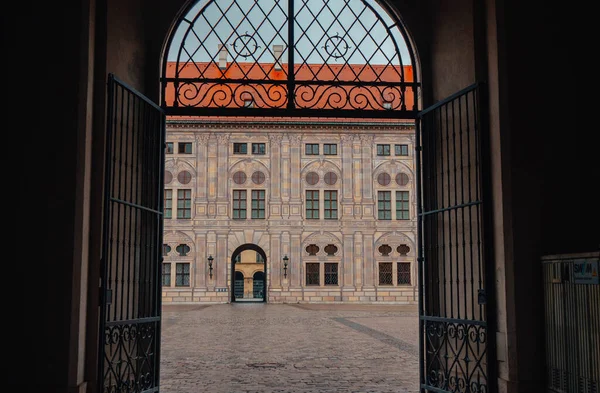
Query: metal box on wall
572	316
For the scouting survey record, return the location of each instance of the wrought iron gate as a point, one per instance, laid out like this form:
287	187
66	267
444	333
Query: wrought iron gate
132	241
455	263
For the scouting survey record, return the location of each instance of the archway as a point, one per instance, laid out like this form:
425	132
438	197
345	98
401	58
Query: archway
249	268
324	91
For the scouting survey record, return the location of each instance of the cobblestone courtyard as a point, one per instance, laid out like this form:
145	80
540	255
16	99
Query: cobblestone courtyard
269	348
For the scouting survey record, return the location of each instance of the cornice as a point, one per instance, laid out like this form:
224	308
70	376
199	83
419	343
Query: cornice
340	127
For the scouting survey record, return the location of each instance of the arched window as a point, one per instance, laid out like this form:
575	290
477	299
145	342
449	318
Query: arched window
356	59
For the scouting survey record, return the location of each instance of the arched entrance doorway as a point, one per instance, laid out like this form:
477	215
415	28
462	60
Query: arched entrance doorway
249	267
306	90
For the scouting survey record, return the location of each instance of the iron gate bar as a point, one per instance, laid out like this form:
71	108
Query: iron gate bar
456	334
129	346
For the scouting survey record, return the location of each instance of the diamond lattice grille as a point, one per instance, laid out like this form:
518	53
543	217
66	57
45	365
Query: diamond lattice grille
297	56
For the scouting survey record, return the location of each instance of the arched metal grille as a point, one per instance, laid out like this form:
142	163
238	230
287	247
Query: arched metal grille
347	58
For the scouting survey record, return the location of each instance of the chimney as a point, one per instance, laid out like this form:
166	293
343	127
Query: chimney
277	51
222	56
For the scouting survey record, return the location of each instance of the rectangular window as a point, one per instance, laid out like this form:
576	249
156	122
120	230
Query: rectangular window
403	273
401	150
169	149
239	204
385	273
168	203
258	203
330	149
258	148
383	150
402	212
312	204
182	275
184	203
312	274
185	148
166	274
331	274
311	149
331	205
240	148
384	205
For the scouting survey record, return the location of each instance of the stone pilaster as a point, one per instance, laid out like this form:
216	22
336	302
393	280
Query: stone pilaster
212	176
275	189
221	260
296	178
202	174
285	250
368	260
359	259
368	204
275	271
357	169
201	262
348	261
347	180
223	175
211	249
295	261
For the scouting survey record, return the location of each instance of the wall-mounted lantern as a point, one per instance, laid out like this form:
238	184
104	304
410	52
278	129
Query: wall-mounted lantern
285	266
210	268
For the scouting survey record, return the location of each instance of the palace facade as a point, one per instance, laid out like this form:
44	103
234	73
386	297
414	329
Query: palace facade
296	210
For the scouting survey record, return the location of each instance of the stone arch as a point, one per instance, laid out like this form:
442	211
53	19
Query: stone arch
394	239
174	238
248	236
322	239
321	166
249	166
393	167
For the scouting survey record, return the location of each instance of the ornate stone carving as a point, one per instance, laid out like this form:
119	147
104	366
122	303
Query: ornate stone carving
366	139
223	138
275	138
295	139
347	139
202	139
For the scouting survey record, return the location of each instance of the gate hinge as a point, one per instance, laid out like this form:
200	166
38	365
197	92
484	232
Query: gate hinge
481	296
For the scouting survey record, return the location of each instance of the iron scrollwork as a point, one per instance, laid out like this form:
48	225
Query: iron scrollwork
456	356
299	57
129	357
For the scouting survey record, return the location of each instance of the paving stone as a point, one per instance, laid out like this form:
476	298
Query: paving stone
285	348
